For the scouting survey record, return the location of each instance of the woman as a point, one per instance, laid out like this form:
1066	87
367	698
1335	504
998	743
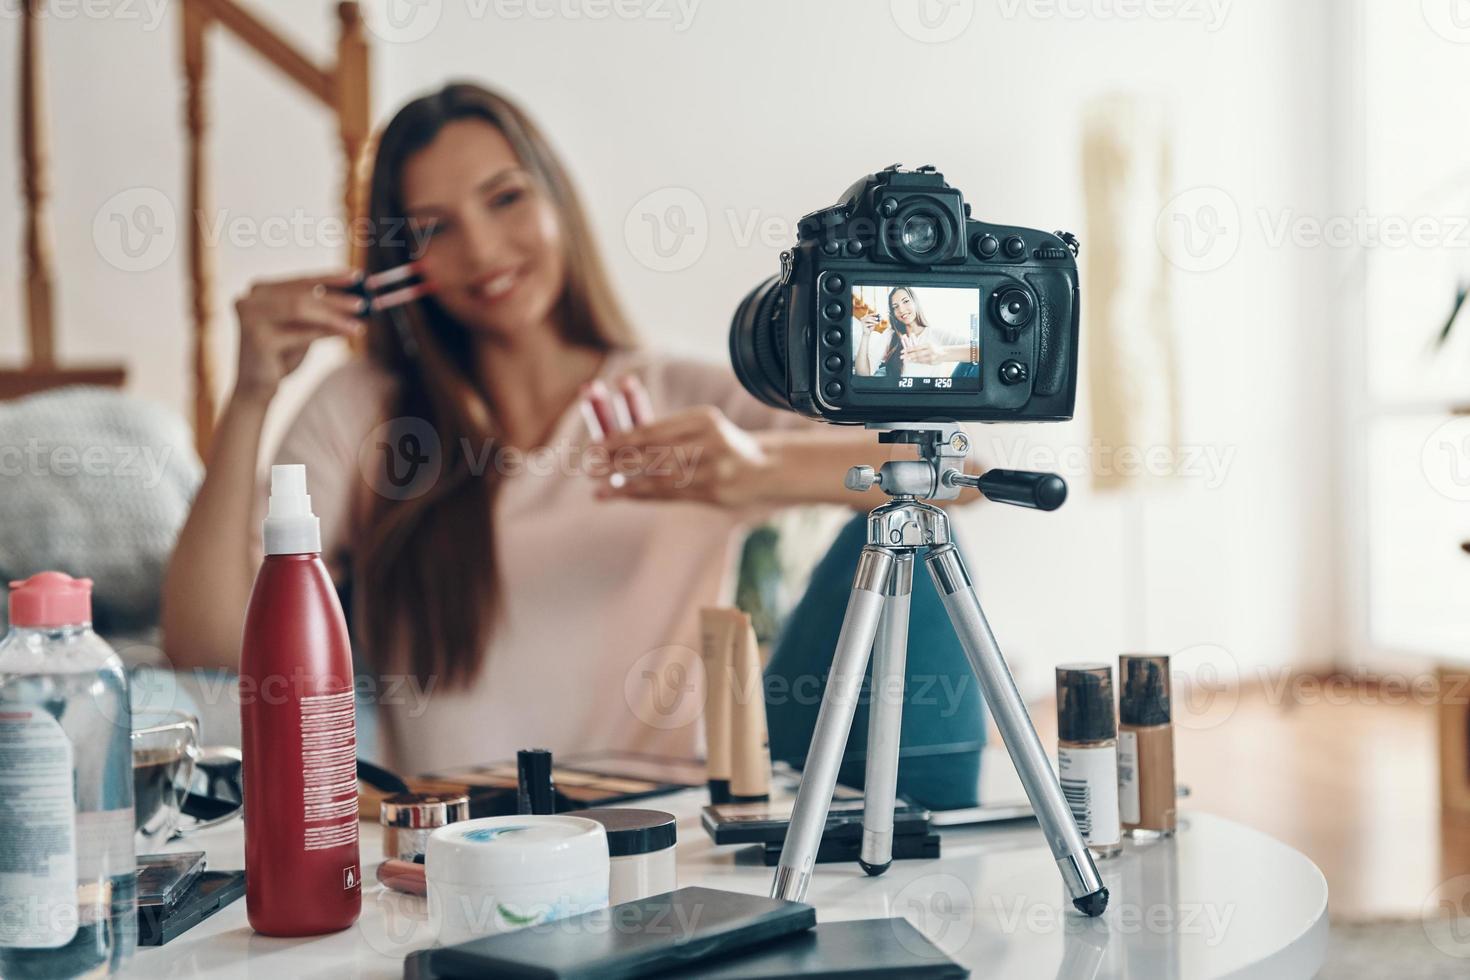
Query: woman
918	349
501	606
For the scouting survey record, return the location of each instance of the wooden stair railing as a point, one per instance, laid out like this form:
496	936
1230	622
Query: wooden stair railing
343	88
40	372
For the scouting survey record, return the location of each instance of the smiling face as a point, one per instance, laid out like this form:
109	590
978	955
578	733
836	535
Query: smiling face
492	240
902	302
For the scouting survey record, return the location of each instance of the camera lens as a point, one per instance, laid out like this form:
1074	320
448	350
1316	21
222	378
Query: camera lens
920	233
1015	306
758	344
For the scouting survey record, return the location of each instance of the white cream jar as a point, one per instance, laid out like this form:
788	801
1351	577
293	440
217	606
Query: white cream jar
497	874
641	846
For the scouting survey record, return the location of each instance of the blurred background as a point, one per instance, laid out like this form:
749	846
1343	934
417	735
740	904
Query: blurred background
1269	464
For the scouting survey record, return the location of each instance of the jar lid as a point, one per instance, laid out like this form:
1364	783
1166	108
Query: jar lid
519	848
423	810
633	831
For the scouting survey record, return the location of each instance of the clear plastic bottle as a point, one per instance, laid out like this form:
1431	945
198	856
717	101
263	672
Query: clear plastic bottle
67	868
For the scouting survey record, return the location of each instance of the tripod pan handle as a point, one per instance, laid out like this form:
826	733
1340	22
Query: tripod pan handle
1042	491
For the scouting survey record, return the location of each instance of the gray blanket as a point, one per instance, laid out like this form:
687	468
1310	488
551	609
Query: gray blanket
95	483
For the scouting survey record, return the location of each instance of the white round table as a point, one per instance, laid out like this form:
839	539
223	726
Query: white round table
1216	900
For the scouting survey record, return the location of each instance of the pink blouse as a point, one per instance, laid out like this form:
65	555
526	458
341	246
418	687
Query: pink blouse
598	645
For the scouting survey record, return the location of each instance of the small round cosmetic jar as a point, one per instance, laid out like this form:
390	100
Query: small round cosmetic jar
640	844
498	874
409	818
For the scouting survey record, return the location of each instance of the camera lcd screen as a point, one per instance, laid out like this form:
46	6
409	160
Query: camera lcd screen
915	337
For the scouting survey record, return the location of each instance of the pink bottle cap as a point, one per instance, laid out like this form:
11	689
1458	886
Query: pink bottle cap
51	599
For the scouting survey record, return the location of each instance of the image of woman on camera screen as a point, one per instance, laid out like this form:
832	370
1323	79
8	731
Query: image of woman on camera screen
919	349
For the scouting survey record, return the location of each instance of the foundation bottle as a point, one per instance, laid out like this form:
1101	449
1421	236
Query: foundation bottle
1146	797
1087	753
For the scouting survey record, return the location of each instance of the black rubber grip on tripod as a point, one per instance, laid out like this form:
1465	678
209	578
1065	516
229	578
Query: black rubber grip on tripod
1042	491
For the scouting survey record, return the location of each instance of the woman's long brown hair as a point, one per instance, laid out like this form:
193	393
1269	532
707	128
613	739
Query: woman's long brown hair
425	593
893	359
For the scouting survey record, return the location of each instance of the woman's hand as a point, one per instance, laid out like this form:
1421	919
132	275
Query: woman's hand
922	355
863	358
279	321
697	454
934	355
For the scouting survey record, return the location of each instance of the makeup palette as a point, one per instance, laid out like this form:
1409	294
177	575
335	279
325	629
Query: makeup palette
594	779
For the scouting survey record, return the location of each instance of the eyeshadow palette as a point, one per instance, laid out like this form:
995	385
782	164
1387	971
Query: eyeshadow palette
585	780
762	823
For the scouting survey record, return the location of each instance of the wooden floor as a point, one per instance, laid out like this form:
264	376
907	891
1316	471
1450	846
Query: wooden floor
1338	773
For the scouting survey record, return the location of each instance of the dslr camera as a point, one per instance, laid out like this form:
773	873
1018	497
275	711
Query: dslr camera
894	305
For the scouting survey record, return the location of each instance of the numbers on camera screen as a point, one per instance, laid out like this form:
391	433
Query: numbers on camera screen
905	382
944	382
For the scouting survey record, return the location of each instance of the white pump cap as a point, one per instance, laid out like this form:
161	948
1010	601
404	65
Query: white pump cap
290	527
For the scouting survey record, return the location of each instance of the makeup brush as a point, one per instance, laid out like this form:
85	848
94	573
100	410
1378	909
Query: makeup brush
392	287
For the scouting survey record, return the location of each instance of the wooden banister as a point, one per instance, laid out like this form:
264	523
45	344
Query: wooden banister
268	44
352	97
201	274
40	371
343	89
39	325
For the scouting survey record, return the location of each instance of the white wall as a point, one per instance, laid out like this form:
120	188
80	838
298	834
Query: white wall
757	111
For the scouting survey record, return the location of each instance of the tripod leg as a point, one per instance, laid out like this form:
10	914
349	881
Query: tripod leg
999	688
834	721
885	718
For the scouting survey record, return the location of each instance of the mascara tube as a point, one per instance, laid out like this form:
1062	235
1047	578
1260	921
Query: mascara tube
534	790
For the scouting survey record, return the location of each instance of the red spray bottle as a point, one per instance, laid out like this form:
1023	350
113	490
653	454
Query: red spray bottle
302	874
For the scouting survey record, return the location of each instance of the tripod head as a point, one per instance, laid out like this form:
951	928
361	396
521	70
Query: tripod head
938	473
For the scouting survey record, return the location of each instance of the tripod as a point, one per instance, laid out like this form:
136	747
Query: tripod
876	623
